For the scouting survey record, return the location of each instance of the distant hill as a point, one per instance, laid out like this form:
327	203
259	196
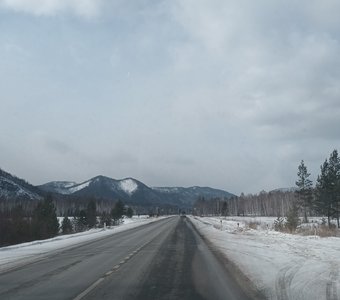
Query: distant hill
284	190
129	190
12	187
133	191
189	195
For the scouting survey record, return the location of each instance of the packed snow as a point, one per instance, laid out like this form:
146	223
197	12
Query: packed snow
21	254
281	265
129	186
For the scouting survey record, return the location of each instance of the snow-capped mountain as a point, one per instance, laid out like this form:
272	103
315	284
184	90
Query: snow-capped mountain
127	189
131	190
12	187
127	186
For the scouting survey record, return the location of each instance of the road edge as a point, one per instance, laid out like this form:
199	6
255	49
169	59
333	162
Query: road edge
245	283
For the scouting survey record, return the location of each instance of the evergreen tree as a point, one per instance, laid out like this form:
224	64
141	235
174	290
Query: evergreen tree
44	221
66	226
225	209
91	214
327	188
80	221
21	228
334	178
117	212
292	218
304	193
129	212
322	203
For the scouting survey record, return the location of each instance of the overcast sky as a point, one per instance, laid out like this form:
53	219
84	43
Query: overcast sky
227	94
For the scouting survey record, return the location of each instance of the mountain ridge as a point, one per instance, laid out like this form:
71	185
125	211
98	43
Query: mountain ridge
129	190
132	190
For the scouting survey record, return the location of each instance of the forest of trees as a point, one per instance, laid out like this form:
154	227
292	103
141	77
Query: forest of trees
263	204
19	225
323	199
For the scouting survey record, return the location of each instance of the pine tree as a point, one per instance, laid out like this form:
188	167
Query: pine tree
304	193
80	221
129	212
334	178
327	188
323	203
292	218
320	189
44	221
91	214
66	226
225	209
117	212
21	227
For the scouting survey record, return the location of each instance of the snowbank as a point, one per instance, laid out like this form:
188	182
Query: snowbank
282	266
15	255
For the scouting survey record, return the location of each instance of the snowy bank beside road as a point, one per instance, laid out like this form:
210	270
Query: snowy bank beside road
282	266
15	255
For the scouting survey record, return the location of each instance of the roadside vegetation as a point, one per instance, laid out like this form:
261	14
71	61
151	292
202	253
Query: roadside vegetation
19	225
292	208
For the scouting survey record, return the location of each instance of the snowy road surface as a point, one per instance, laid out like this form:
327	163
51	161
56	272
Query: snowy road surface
162	260
282	266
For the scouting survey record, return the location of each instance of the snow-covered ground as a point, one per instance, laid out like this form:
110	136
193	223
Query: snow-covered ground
281	265
12	256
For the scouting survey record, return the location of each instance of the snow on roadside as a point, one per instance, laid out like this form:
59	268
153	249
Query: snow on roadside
21	253
282	266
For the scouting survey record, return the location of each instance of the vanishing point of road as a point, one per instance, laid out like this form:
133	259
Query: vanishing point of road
166	259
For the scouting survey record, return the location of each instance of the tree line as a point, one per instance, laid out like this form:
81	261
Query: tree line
18	225
306	200
263	204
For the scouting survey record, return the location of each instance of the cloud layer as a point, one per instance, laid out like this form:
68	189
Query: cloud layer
86	8
231	94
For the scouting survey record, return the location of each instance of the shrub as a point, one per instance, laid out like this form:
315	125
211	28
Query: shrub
253	224
279	224
325	231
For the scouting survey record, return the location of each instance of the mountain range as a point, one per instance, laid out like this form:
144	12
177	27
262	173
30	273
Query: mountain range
133	191
129	190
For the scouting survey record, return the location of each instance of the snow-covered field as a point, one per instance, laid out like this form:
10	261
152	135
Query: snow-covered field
12	256
281	265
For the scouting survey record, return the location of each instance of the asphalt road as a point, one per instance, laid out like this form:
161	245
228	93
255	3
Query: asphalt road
162	260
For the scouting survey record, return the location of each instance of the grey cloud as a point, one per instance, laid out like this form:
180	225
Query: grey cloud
231	94
58	146
86	8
